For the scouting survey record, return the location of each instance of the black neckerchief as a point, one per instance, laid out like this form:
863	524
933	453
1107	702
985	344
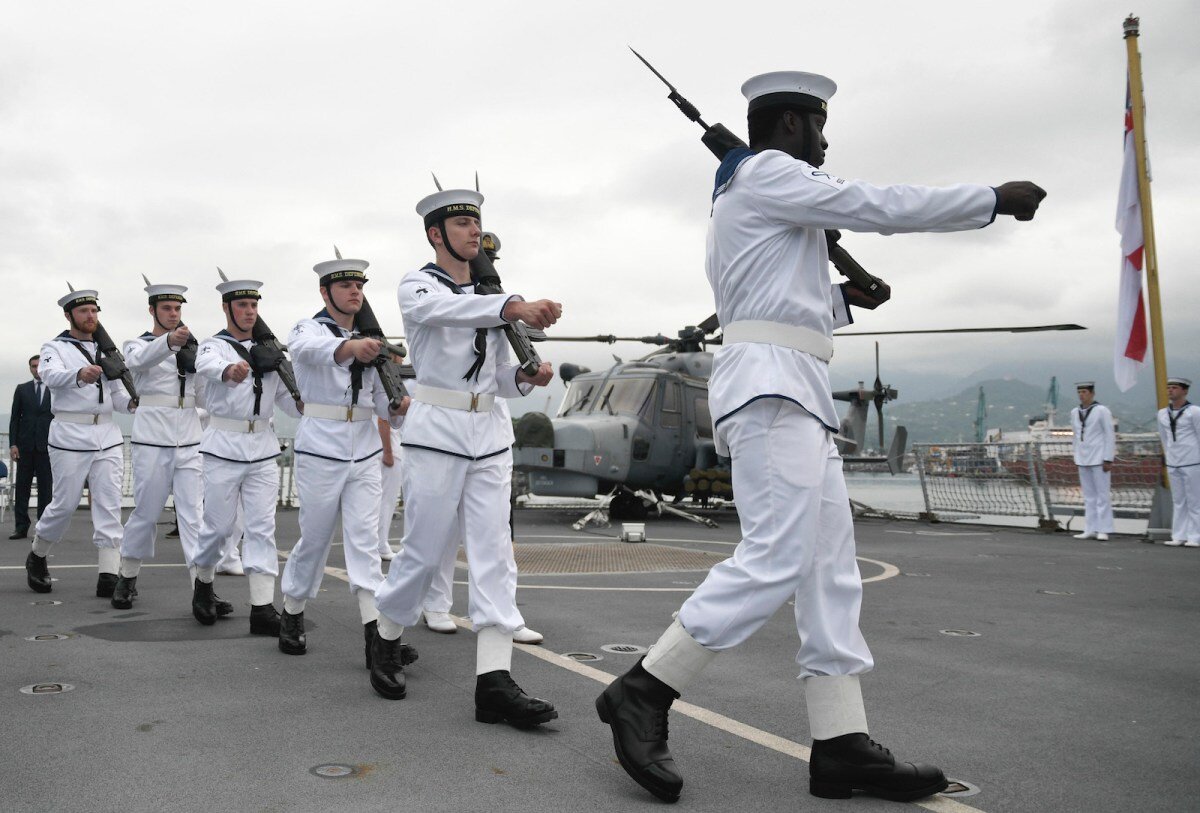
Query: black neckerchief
1173	416
480	332
67	337
356	367
244	354
1083	416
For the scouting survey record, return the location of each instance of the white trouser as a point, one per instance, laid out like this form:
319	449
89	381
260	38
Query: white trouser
443	494
390	479
325	488
102	471
797	541
229	550
157	472
1097	508
1185	494
257	486
439	598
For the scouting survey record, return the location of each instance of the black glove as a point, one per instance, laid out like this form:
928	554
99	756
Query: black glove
1019	199
865	299
265	359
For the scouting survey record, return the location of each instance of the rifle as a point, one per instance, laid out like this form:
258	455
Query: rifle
720	141
185	357
487	281
390	374
267	356
111	361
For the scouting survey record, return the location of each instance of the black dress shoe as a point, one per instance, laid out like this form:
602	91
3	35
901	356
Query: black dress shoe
387	671
105	584
498	699
223	607
203	603
851	762
37	574
635	705
291	634
408	654
124	592
18	534
264	619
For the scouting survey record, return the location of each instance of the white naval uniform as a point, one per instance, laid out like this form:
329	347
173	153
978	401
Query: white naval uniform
85	445
1094	443
337	464
1181	449
390	480
239	465
165	448
458	464
773	413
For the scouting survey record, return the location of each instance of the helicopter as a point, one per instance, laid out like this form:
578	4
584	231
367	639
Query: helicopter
642	429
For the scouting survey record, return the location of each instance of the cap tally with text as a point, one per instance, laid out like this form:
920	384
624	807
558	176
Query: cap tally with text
1186	383
340	269
239	289
1085	385
806	91
166	293
74	299
450	203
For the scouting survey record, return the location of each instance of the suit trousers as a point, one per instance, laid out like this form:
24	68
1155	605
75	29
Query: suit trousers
256	485
159	471
102	471
32	463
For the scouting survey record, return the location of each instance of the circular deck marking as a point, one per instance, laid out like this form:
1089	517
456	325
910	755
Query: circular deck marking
49	602
588	657
47	688
333	770
48	636
960	633
624	649
921	575
1056	592
959	789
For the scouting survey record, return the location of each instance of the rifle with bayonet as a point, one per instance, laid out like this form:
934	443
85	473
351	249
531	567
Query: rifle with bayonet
487	281
390	373
720	141
267	356
110	360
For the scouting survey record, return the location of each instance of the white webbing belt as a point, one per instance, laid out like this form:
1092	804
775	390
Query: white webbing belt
83	417
454	399
777	333
245	426
172	401
337	412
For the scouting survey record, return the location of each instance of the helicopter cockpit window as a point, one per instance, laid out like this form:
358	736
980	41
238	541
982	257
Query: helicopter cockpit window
626	396
671	416
576	400
704	426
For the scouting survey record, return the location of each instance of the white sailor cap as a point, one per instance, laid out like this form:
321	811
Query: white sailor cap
450	203
807	91
166	293
1186	383
75	298
1085	385
239	289
341	269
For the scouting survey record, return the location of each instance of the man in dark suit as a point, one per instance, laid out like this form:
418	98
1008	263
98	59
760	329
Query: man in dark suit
28	429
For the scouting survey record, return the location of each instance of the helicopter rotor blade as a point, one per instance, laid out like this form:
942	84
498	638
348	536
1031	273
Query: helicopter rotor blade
880	397
1010	329
610	339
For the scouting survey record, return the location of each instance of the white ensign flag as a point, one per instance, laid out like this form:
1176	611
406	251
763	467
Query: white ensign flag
1130	350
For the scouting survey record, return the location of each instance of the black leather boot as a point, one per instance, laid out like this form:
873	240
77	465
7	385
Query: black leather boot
387	671
264	619
408	654
635	705
842	765
105	584
498	699
37	574
125	592
291	634
203	606
222	606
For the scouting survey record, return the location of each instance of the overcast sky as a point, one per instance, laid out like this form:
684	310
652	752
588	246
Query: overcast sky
166	139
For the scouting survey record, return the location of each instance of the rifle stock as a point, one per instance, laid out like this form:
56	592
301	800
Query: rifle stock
487	281
263	336
390	374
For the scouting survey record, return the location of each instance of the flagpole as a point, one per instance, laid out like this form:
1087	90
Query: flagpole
1150	251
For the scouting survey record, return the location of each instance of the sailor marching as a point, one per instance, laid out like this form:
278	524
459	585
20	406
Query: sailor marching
1179	429
1094	444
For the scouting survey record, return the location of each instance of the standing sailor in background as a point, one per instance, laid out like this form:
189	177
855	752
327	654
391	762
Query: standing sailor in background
458	458
166	437
1179	429
85	444
239	448
768	265
337	450
1094	443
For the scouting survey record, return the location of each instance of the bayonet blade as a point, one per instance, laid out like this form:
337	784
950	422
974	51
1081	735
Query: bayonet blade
652	69
337	253
147	279
222	273
436	182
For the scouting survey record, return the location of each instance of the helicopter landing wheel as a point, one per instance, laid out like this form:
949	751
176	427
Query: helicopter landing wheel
627	506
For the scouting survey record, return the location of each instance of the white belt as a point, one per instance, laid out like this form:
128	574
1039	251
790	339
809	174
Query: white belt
337	412
777	333
454	399
83	417
172	401
245	426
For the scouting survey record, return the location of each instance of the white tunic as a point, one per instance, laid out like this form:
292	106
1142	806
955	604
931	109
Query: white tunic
440	327
767	260
62	359
151	359
324	381
1182	448
227	399
1094	441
